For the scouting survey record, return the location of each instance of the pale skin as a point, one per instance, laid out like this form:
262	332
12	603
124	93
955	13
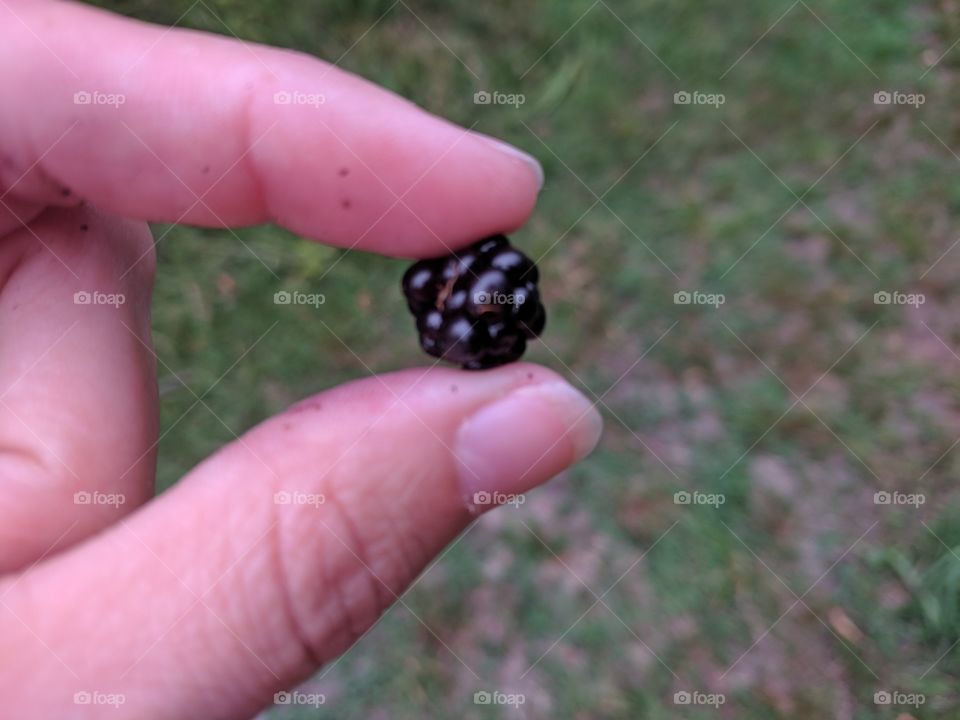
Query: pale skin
206	601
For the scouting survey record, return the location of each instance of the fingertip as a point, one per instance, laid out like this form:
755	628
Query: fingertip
511	151
522	440
366	168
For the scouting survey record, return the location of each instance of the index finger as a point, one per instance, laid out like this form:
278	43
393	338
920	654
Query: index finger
180	126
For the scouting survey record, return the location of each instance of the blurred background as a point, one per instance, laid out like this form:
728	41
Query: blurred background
747	246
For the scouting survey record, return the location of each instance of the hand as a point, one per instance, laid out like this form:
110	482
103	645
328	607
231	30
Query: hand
278	551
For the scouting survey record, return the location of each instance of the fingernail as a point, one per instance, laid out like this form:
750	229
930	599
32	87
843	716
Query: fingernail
522	440
518	154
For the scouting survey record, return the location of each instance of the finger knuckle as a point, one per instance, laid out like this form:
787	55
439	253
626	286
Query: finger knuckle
360	565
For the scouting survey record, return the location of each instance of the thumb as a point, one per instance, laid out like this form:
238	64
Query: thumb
279	551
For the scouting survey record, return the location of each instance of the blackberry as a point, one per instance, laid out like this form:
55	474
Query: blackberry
477	307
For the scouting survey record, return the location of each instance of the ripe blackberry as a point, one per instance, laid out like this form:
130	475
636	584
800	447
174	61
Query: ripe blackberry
477	307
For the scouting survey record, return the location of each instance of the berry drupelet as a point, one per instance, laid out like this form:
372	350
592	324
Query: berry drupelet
477	307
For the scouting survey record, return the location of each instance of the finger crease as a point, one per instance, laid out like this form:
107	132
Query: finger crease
286	598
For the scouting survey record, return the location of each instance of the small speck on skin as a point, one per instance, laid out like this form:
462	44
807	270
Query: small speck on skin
84	227
287	426
454	388
345	204
65	192
206	169
529	376
344	171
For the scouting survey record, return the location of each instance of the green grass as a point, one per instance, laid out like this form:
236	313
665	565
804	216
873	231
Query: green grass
701	410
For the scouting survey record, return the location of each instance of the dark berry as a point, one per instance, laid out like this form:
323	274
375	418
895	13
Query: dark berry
420	285
517	266
477	307
489	292
488	245
458	265
463	339
534	326
457	300
526	302
430	325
